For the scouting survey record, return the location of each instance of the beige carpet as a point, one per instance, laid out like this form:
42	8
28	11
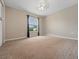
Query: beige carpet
40	48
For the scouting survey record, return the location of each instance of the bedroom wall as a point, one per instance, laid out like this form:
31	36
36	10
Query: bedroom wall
16	23
63	23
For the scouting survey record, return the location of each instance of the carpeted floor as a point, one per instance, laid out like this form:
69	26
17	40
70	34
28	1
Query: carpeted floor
40	48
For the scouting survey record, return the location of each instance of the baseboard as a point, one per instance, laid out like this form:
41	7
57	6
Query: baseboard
15	38
62	36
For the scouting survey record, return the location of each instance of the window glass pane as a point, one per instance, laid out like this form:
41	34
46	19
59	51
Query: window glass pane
33	23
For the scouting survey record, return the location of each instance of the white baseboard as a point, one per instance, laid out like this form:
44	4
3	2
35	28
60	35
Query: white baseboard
62	36
15	38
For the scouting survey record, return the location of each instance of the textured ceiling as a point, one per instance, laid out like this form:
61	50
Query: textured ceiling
32	5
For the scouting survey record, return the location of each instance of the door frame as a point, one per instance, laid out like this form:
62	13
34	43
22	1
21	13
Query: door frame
28	33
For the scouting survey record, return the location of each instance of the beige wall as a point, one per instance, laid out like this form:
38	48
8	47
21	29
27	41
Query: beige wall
16	23
62	23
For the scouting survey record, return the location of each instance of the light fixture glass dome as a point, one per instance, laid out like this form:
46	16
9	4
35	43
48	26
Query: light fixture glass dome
43	5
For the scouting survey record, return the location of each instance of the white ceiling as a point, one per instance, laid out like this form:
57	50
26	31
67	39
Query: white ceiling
32	5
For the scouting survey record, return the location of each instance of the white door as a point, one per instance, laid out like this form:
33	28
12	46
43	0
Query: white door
0	33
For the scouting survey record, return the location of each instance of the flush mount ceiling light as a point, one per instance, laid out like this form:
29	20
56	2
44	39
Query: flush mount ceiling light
43	5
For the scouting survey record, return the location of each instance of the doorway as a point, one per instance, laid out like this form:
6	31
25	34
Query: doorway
32	26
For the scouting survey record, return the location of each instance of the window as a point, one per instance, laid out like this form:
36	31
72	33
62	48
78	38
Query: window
33	23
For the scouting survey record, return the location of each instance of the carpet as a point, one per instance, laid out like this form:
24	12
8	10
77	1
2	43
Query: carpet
40	47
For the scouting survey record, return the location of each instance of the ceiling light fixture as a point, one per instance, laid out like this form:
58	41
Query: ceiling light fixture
43	5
